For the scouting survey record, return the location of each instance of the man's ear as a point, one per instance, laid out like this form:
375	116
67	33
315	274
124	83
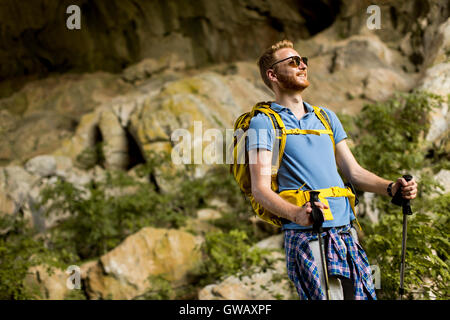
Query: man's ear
271	75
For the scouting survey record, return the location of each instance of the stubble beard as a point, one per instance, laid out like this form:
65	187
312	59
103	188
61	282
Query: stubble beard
292	83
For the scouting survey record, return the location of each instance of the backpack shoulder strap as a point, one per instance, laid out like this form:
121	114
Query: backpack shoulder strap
265	108
323	117
280	135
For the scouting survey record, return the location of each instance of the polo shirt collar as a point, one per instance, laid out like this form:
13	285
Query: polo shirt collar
278	108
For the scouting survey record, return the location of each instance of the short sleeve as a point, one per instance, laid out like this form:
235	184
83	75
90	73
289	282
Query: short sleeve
260	133
336	125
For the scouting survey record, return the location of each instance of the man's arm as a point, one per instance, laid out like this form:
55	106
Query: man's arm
262	192
367	181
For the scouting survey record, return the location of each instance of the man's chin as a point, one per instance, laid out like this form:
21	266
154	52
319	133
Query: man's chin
304	84
300	86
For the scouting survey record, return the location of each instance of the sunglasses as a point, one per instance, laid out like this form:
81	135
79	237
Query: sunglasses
295	62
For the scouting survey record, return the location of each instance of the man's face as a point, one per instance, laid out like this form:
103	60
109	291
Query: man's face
290	77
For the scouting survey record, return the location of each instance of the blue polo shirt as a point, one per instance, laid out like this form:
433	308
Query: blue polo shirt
307	157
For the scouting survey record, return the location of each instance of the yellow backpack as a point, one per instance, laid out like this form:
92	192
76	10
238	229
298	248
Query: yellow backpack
241	170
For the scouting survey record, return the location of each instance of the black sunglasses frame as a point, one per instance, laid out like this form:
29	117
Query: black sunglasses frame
294	58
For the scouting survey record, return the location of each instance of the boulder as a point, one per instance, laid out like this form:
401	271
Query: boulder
208	214
15	184
270	284
64	165
45	285
437	79
43	166
124	272
275	242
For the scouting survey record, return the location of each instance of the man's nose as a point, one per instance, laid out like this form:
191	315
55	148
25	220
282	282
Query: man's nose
302	65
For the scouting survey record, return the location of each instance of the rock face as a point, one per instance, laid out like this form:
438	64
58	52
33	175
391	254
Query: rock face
263	285
345	74
193	34
126	31
157	48
124	272
43	166
46	286
211	100
15	185
132	125
272	283
45	112
443	177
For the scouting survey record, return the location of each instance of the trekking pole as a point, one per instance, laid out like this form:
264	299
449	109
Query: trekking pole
318	220
406	208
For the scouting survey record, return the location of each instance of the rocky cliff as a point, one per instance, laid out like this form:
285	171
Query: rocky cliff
127	47
137	71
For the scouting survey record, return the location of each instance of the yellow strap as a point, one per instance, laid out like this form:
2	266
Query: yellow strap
300	197
308	131
326	125
267	111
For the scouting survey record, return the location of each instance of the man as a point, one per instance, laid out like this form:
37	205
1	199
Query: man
309	160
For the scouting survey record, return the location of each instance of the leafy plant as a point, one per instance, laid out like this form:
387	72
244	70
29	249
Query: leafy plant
91	156
390	143
20	249
228	254
102	213
390	136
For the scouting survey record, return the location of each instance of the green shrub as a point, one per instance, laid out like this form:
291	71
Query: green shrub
227	254
20	249
391	143
103	213
91	156
390	136
161	289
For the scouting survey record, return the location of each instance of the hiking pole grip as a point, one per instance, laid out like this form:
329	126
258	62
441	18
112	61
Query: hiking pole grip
316	213
400	201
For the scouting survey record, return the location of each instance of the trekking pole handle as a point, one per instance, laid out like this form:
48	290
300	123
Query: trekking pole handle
398	199
316	214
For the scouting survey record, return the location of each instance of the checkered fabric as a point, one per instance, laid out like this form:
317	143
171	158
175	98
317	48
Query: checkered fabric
345	258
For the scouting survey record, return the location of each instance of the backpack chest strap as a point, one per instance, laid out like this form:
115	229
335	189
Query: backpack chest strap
308	131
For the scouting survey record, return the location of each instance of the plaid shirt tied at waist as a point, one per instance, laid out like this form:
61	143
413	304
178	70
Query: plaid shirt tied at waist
345	258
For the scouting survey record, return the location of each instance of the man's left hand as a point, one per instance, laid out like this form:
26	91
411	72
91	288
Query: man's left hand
409	189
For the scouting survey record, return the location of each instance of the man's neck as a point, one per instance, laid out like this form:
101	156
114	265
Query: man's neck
292	102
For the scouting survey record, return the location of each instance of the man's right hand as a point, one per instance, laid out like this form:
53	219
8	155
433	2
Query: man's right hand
260	171
303	215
